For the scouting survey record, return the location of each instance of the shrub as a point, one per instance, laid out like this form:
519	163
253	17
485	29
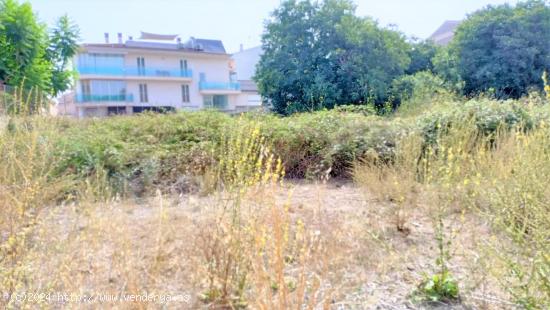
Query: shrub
422	85
151	148
326	143
174	152
487	115
366	109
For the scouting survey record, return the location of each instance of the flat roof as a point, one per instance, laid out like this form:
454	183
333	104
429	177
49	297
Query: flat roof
192	45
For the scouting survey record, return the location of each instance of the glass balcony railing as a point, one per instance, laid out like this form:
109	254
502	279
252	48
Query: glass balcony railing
104	98
130	71
219	86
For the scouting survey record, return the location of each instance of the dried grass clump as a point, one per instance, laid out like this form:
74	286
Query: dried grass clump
255	254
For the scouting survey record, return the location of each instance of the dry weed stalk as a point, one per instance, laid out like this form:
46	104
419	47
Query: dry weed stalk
394	182
248	250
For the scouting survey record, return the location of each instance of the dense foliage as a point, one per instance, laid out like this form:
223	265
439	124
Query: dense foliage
421	85
29	56
169	151
504	49
421	54
320	55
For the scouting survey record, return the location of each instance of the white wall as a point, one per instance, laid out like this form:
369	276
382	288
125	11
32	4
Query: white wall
159	93
92	112
246	61
247	99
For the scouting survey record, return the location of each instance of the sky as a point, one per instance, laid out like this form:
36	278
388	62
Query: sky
235	22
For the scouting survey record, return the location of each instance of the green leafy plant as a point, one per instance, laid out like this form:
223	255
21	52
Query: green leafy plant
439	287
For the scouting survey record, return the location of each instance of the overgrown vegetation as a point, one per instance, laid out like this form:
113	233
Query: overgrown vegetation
491	164
481	158
453	180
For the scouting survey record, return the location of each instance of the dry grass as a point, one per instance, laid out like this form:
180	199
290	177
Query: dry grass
340	249
473	206
499	178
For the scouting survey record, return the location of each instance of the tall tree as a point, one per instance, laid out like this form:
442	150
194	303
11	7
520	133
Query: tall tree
24	42
63	46
320	54
31	58
504	48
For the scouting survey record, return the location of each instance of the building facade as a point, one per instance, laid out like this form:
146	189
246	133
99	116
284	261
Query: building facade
156	73
245	63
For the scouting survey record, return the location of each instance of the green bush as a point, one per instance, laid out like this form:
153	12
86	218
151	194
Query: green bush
364	109
420	85
139	154
150	148
415	94
326	143
488	115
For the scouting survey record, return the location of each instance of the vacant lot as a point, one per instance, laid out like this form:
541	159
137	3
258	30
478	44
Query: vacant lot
154	246
333	210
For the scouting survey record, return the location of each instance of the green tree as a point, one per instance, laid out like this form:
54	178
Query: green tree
63	46
445	65
320	54
24	42
504	48
31	58
421	54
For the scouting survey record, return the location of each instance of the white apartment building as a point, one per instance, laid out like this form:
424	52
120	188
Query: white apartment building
156	73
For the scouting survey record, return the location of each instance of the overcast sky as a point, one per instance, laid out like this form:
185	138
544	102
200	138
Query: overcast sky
235	21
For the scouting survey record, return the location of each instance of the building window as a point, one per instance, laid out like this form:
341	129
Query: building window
233	77
216	101
141	65
183	67
86	89
103	90
112	64
116	110
143	96
153	109
185	93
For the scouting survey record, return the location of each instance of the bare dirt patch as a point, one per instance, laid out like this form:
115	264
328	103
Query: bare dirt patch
150	246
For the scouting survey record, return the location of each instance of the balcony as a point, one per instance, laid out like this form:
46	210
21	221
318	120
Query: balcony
95	98
132	72
219	88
